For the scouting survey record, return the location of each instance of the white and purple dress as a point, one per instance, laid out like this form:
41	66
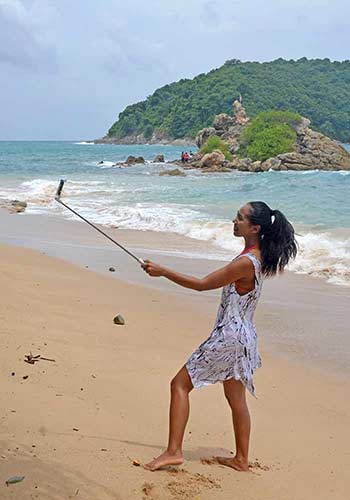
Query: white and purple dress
231	350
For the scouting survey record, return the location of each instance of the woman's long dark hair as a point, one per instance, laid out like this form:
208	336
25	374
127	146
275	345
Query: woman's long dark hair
277	241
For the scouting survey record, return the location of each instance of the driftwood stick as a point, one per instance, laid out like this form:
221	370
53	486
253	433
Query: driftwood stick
29	358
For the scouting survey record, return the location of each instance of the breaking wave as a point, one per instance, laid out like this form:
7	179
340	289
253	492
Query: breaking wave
322	253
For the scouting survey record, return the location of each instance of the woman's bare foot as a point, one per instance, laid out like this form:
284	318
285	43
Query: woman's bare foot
234	463
165	459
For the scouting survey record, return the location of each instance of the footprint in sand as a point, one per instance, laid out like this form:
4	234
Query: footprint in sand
148	492
208	461
189	486
257	465
252	465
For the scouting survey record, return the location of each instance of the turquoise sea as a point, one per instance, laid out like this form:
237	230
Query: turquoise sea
199	205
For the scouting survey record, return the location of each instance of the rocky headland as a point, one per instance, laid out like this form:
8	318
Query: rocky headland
312	150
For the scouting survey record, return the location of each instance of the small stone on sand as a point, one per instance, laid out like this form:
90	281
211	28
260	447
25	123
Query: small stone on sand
14	480
119	320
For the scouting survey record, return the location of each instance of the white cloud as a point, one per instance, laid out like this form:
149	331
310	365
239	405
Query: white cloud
83	61
27	34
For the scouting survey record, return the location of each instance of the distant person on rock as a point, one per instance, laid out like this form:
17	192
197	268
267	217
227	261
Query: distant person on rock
186	157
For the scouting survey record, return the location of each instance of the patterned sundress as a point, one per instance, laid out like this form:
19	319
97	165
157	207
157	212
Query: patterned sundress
231	349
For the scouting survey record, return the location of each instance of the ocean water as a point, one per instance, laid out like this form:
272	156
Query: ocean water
199	206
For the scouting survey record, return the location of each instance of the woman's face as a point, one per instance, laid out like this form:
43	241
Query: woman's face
241	224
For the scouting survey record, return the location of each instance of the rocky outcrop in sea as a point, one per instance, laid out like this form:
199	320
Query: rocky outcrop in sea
312	150
13	206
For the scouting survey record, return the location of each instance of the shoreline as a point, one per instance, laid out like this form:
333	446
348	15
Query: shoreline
297	303
315	262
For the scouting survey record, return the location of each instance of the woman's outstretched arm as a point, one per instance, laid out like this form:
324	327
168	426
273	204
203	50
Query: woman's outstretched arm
233	271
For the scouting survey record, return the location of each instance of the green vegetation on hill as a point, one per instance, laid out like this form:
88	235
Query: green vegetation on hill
214	142
317	89
269	134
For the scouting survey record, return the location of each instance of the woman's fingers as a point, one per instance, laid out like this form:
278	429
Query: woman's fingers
147	266
151	268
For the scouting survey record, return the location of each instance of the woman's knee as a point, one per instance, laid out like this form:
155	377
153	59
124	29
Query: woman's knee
174	384
181	382
177	385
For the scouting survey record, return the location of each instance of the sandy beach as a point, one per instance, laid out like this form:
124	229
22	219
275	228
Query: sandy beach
73	426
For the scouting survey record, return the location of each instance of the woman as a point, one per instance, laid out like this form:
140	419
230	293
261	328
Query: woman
230	354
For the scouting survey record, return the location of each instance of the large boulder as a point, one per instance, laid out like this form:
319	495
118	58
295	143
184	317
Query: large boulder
255	167
315	151
296	161
245	165
311	150
196	157
203	135
233	134
159	159
302	126
240	114
222	122
216	158
140	159
234	163
228	128
271	164
132	160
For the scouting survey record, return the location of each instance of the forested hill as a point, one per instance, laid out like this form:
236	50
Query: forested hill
318	89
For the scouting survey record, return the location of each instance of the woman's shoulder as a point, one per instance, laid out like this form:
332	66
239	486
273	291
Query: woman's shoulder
256	255
250	255
254	260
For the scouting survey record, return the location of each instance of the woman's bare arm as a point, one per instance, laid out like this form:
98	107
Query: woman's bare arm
217	279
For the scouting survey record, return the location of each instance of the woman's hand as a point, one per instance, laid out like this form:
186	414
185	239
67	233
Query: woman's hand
152	269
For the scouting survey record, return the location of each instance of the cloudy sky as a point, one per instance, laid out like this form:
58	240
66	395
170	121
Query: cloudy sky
68	67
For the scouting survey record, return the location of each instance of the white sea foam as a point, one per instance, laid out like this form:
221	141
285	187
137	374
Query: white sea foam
39	191
305	172
321	253
85	143
106	164
8	192
316	171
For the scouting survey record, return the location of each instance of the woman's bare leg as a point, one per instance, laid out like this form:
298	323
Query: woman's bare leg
181	386
235	393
